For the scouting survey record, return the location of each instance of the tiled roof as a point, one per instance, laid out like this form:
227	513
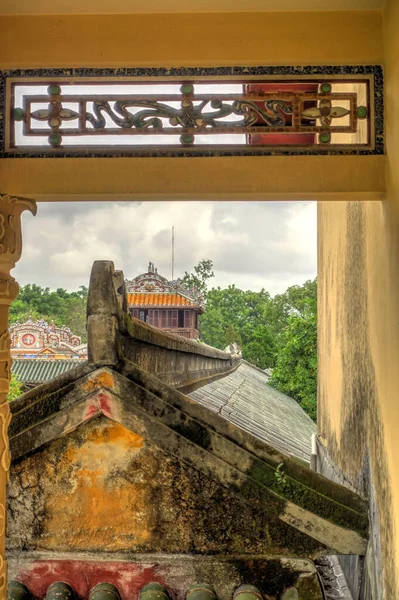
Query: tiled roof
144	299
35	371
60	590
244	398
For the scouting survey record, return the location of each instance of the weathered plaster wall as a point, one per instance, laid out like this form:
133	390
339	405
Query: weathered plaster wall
175	360
103	488
359	337
358	349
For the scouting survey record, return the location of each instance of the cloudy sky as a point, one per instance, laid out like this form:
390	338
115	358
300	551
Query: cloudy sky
254	245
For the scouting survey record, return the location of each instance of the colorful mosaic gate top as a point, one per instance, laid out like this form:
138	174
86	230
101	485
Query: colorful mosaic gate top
260	110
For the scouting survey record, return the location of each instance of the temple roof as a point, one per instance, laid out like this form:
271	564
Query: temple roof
152	289
244	399
68	579
33	338
161	299
59	590
32	372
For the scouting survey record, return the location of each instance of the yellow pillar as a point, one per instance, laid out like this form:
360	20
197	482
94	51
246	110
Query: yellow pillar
10	252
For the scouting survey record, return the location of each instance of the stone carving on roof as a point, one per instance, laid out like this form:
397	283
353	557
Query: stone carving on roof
35	337
154	283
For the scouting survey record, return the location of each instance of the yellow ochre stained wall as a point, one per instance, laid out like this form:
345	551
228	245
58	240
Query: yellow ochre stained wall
104	488
358	349
359	332
302	38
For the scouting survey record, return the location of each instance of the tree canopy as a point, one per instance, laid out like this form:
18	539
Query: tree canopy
235	315
295	372
16	388
197	282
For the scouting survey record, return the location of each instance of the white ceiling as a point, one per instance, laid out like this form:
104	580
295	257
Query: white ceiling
60	7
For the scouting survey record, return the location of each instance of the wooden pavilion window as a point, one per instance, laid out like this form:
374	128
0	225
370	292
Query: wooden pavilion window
173	319
187	319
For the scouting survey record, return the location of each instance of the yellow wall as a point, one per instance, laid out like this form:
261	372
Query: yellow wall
358	264
185	40
89	7
359	331
223	178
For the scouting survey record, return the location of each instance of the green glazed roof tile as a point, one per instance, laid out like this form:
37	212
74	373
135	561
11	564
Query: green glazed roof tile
35	371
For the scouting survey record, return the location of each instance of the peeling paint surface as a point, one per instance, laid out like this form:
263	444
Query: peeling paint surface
93	496
127	577
103	379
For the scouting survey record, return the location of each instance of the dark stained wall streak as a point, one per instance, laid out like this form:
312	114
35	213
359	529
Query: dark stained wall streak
352	415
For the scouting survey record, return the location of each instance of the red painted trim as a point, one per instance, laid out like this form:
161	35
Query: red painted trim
82	576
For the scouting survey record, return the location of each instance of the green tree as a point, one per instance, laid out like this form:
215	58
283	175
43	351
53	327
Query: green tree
292	302
295	373
16	388
75	315
232	336
212	330
197	281
234	315
261	349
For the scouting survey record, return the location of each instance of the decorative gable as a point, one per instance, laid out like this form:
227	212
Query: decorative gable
122	493
32	337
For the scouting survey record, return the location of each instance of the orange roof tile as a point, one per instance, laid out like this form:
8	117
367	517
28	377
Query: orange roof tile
143	299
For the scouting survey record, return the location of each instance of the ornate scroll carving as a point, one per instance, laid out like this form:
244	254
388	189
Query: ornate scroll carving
8	288
10	229
11	209
3	571
5	363
303	112
5	418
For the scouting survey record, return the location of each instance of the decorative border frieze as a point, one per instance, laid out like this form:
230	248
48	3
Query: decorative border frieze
320	125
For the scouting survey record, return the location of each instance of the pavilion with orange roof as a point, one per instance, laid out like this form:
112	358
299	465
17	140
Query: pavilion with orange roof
168	305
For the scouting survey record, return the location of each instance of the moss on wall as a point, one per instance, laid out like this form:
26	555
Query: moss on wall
104	488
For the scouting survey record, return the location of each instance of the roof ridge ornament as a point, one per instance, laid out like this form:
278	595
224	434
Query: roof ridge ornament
155	283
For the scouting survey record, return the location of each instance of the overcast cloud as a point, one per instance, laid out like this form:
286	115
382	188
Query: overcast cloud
254	245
